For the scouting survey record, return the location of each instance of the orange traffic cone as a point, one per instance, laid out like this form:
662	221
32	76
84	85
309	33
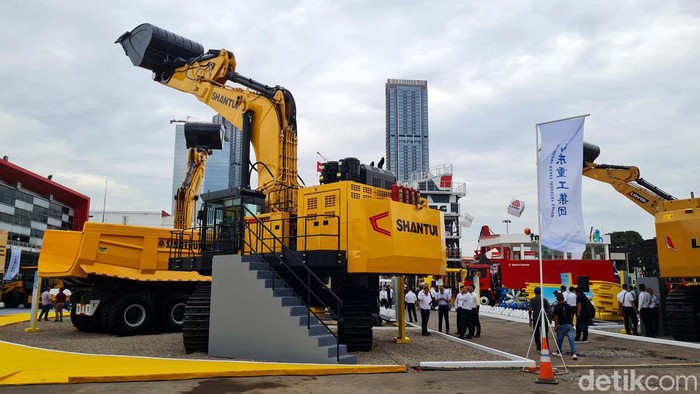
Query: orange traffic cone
546	371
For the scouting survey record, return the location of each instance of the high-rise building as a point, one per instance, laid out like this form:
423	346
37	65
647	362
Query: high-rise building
407	127
223	166
235	151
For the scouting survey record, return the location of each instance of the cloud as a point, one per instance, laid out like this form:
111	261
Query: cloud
73	105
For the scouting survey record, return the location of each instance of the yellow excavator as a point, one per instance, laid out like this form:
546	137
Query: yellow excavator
677	239
328	242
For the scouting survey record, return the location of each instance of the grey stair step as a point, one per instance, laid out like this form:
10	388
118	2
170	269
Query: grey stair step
326	340
262	274
290	301
332	350
298	311
258	266
304	319
278	283
317	330
247	258
348	359
283	292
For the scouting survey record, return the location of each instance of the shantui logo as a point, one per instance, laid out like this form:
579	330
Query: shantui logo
373	221
405	226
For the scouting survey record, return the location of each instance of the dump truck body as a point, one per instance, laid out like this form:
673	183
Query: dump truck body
119	276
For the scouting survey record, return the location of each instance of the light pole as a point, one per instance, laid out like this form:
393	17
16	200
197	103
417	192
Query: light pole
507	222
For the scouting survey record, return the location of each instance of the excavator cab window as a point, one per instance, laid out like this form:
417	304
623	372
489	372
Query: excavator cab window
224	214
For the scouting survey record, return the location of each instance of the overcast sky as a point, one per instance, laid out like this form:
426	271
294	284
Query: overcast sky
72	105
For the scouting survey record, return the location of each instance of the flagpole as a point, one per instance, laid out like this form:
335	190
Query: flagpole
543	327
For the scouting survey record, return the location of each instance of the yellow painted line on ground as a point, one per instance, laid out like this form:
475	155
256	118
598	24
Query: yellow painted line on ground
40	366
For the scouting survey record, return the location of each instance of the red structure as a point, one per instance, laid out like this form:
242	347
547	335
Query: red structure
14	175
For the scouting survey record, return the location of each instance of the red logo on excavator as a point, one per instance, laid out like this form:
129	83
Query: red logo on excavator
373	221
669	244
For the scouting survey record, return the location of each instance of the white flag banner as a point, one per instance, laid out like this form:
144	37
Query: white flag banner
559	172
516	207
13	266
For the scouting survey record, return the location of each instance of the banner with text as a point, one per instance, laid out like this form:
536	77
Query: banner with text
13	266
559	172
3	249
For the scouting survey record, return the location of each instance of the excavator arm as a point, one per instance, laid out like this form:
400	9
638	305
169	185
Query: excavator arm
187	193
626	180
266	115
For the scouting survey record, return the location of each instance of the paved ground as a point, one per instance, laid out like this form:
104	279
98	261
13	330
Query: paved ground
604	354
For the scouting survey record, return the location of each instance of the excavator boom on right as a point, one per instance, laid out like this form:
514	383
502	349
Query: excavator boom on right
677	239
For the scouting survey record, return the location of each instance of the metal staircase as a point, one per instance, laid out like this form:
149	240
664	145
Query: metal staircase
255	315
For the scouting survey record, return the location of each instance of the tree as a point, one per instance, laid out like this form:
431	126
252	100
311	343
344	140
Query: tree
625	239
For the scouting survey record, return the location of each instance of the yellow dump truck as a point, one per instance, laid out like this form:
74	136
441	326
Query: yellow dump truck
119	277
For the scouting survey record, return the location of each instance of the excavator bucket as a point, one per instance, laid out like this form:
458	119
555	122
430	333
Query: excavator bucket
204	135
590	152
157	49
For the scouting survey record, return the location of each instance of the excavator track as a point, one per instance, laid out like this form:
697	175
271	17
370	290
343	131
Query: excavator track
195	328
683	313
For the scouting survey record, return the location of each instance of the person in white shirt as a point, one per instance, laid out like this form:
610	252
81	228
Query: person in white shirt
654	306
425	299
410	300
384	298
433	293
476	323
570	297
628	306
460	299
645	311
45	304
443	297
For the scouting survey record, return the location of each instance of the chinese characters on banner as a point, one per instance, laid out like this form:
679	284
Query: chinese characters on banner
559	173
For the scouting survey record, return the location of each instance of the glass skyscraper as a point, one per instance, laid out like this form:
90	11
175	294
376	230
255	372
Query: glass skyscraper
407	127
223	166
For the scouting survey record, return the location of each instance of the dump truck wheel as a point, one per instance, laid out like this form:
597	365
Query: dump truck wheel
87	323
12	299
171	313
130	314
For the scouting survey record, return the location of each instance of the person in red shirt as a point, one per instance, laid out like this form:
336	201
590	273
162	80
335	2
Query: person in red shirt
58	304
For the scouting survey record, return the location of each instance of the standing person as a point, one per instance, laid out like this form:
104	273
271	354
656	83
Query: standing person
424	299
384	298
570	296
59	303
475	312
583	316
461	312
654	306
443	300
45	304
535	317
433	293
468	310
620	300
410	300
630	311
390	296
563	325
645	313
